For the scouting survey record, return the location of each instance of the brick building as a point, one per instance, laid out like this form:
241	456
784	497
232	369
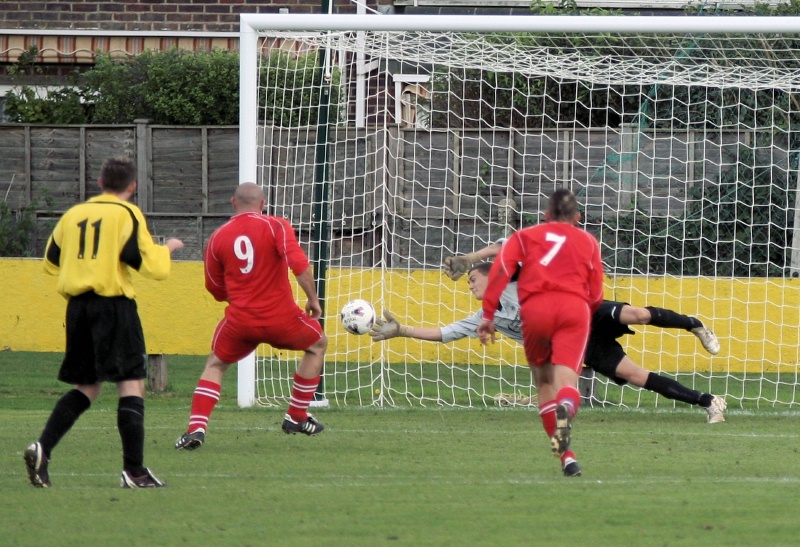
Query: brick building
68	34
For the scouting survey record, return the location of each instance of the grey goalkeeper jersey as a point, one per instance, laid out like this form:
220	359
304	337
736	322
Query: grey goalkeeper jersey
506	319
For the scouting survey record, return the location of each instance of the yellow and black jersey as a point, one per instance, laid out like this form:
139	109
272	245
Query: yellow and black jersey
96	244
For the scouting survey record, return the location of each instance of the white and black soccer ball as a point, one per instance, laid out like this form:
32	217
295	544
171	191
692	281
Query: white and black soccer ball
358	316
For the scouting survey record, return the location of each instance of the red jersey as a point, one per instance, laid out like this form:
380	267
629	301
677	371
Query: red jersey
550	257
247	262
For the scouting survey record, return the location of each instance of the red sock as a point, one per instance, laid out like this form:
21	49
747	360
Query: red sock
302	394
570	397
567	454
205	398
547	413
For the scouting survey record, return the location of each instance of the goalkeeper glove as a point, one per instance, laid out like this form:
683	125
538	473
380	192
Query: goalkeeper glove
456	266
391	328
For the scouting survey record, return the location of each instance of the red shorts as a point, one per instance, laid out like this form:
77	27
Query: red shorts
233	341
555	328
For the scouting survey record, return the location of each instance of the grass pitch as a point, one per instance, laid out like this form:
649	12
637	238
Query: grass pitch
395	477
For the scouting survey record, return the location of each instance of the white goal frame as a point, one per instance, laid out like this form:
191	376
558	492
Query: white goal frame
251	24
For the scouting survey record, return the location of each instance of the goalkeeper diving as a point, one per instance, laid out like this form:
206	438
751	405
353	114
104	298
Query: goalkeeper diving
604	354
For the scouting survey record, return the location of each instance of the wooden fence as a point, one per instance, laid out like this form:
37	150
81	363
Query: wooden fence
186	174
445	190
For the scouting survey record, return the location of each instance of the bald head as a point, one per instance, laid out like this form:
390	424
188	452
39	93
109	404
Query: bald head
248	197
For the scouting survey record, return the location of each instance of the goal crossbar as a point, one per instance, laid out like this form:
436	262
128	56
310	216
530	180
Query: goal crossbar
517	23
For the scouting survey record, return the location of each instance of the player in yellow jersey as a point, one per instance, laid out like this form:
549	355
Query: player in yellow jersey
93	250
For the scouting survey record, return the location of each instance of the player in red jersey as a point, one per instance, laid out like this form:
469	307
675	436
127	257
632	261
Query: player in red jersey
246	263
560	283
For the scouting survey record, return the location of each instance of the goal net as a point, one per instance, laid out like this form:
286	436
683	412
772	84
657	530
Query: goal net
392	142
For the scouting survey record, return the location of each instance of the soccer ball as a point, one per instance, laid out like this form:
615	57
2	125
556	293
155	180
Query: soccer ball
358	316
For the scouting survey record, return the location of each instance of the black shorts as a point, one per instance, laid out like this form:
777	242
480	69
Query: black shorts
603	352
605	320
105	342
603	355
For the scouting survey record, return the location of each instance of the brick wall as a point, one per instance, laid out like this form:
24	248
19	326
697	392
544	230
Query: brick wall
150	15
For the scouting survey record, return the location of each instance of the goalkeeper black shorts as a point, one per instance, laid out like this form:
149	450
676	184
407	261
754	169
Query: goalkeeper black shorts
603	355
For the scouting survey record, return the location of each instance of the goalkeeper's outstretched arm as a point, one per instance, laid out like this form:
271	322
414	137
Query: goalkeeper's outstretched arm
456	266
391	328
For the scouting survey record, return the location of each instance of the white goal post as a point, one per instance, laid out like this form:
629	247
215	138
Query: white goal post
393	141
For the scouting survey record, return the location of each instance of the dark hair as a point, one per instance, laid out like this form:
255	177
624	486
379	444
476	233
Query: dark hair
563	206
118	173
482	267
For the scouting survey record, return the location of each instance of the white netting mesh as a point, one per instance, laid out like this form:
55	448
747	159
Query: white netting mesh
738	61
397	149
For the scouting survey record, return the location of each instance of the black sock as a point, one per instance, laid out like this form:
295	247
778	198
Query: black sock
130	423
705	400
66	412
669	319
672	389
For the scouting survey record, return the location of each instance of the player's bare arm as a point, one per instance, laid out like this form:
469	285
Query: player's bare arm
174	244
486	332
306	282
